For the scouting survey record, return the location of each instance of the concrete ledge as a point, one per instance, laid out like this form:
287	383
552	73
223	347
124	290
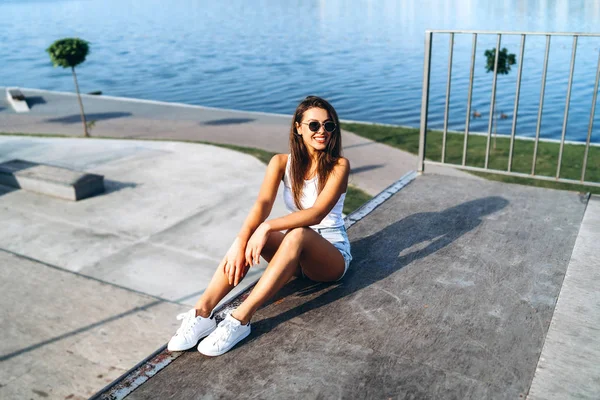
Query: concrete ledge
53	181
569	366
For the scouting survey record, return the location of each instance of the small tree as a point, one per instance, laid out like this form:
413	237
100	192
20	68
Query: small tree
68	53
505	60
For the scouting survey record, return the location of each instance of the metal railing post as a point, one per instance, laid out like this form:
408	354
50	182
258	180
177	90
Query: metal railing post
564	131
425	100
542	92
468	121
591	125
516	108
492	103
448	83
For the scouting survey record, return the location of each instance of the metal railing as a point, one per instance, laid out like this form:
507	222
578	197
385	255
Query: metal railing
425	105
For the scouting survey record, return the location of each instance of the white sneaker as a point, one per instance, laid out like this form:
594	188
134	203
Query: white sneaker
229	332
191	330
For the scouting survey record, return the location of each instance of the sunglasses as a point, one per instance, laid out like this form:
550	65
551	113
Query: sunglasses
314	126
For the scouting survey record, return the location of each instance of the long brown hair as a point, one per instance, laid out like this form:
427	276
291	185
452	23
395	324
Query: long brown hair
300	158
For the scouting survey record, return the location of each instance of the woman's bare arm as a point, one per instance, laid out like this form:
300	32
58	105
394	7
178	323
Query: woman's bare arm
235	263
266	197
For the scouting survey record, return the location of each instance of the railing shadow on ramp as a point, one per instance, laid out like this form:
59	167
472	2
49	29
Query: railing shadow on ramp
384	253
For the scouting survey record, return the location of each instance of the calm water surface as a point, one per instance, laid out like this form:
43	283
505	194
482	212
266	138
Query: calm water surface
364	56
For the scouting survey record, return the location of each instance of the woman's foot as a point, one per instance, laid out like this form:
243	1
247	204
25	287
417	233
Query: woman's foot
229	332
191	330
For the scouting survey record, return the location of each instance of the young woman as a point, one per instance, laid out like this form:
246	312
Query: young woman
310	241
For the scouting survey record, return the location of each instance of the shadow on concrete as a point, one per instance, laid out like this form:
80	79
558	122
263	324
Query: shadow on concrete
227	121
35	100
359	145
382	254
6	189
365	168
8	356
115	186
16	165
9	168
76	118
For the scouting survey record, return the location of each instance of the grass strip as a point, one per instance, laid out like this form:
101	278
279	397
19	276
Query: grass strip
546	164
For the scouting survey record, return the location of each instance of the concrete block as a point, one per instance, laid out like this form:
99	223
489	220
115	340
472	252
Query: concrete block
17	100
53	181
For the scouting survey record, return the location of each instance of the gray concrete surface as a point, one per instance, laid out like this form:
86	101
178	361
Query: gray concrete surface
66	335
450	296
71	270
569	366
374	166
170	210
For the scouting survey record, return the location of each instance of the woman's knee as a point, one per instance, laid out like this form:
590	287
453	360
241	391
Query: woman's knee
295	236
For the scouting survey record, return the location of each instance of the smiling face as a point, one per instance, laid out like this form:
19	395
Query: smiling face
314	141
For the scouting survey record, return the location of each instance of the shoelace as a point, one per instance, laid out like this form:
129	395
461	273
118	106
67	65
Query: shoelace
188	322
223	332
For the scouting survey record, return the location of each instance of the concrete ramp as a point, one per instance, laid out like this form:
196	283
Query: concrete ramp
450	296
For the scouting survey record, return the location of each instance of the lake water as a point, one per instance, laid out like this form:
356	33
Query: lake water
366	57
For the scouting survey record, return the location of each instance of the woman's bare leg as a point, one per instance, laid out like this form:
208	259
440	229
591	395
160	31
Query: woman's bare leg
320	260
219	285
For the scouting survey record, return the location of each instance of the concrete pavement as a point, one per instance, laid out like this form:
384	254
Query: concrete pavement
94	286
67	335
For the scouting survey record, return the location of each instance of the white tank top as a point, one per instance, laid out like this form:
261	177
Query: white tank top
309	195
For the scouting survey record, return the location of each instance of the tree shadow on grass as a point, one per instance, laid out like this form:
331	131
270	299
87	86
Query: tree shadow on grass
382	254
76	118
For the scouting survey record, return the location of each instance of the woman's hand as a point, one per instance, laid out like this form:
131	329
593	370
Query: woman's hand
256	243
234	263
